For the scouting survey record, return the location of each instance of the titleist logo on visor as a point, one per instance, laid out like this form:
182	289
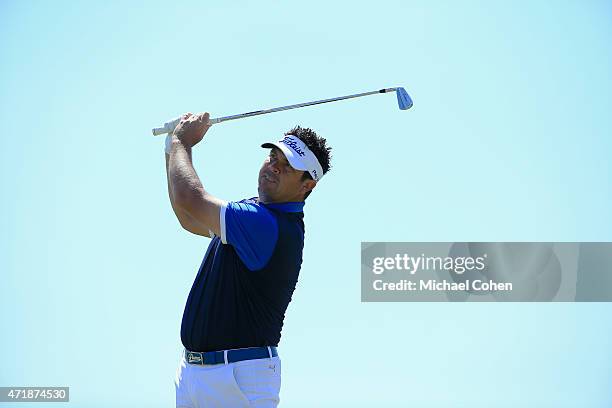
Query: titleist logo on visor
293	144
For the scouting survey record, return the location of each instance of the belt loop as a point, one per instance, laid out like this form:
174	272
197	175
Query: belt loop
225	356
269	351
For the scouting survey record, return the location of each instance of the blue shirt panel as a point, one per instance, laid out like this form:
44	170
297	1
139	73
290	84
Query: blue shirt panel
253	231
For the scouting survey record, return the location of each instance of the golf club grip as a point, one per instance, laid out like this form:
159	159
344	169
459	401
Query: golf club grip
172	124
167	128
159	131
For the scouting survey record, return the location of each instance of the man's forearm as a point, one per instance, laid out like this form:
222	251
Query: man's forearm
186	221
184	184
179	213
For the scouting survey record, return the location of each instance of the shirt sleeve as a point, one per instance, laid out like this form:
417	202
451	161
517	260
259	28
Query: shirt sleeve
251	230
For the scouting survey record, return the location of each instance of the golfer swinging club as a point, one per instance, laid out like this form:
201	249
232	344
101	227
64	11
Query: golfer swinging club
234	313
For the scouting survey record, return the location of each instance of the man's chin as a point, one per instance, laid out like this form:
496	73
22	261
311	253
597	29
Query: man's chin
265	193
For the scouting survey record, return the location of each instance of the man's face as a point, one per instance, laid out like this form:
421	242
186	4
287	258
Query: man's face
279	182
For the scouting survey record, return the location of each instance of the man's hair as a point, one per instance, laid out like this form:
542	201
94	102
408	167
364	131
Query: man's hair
317	145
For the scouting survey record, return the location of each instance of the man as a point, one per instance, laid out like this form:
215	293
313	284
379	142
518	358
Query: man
234	313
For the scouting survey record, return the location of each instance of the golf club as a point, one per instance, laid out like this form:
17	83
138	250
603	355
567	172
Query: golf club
403	101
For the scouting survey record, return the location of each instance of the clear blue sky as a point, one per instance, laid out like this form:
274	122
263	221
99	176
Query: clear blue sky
508	140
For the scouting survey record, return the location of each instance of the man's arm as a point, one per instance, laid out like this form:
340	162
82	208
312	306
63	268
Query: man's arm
199	209
184	218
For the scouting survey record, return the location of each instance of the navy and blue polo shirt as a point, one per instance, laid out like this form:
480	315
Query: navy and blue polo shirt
246	280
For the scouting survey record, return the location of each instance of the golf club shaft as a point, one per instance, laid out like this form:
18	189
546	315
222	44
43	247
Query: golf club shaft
169	126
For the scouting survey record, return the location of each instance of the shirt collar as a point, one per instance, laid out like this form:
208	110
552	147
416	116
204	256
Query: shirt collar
284	207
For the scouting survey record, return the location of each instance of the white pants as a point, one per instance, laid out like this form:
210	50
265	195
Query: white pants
248	383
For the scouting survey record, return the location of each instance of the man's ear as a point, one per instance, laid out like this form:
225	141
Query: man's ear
308	185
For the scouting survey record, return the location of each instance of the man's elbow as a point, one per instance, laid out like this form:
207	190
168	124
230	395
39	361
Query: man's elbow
181	215
185	201
188	223
199	209
182	219
189	228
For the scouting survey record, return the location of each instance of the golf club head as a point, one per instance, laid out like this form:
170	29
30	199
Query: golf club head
403	99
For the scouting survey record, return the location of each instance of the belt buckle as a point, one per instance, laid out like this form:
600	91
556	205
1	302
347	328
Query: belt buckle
195	358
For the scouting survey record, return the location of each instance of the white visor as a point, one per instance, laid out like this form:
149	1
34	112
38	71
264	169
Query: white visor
299	156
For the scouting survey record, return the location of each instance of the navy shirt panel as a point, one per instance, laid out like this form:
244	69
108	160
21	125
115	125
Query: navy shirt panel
231	305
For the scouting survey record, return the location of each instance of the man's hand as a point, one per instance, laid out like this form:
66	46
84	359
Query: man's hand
192	128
